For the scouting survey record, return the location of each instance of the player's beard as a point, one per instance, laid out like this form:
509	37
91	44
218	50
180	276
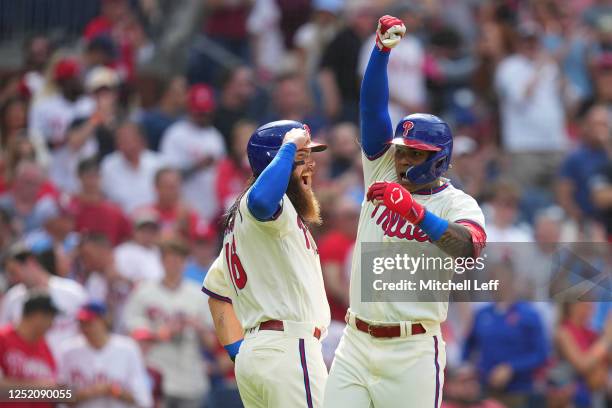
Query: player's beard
304	200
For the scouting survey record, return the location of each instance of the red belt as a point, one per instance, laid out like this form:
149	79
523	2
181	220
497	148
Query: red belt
386	330
278	325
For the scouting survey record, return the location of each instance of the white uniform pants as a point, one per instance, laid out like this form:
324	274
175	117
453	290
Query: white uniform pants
401	372
281	369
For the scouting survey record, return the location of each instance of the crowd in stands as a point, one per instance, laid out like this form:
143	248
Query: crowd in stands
121	150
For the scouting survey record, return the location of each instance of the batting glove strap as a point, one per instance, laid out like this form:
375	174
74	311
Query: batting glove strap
398	199
233	349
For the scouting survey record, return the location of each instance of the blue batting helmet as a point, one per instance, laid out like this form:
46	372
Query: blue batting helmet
267	140
426	132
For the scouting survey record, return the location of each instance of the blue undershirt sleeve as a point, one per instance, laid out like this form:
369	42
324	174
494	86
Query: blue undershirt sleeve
376	126
264	198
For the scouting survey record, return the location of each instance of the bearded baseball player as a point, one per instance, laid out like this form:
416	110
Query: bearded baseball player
268	278
391	353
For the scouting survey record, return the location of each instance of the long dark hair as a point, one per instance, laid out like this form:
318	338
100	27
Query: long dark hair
230	214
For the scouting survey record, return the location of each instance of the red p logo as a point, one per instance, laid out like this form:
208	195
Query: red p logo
407	126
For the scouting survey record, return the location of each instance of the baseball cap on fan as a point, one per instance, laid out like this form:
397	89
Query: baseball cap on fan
66	68
101	77
201	99
91	311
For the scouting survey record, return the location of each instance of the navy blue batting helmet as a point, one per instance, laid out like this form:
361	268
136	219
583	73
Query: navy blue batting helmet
267	140
426	132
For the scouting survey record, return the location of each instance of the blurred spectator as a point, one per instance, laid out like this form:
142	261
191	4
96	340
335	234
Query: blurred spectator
57	227
268	48
313	37
194	146
335	250
112	13
510	341
169	107
234	170
21	202
573	192
344	147
138	260
146	340
38	51
174	310
128	173
60	103
95	269
294	13
567	40
204	250
84	364
62	169
175	218
103	85
25	270
226	25
449	67
503	215
93	213
13	120
601	186
532	115
406	67
338	77
291	100
99	52
602	74
585	352
235	102
468	168
462	390
25	358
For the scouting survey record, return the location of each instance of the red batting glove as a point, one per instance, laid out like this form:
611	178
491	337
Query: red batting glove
389	32
397	199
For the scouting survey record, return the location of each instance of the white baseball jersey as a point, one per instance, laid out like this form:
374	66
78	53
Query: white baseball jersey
270	270
118	362
67	295
378	224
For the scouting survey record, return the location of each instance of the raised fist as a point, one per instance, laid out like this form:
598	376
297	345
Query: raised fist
301	137
389	32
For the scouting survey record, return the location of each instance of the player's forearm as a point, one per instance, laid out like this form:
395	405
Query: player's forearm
376	127
267	192
456	241
228	328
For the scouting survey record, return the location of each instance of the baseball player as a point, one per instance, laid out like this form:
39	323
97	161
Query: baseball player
391	353
269	273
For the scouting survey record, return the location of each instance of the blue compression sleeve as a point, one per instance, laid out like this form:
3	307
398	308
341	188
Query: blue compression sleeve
267	192
376	127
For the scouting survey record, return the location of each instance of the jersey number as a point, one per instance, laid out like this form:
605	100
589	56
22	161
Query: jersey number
239	276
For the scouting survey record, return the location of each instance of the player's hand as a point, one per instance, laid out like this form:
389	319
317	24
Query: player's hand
300	137
500	376
389	32
396	198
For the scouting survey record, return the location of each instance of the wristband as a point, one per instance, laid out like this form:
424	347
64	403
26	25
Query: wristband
233	349
433	225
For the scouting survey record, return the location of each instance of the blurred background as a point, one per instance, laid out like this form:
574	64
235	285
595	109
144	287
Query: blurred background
123	128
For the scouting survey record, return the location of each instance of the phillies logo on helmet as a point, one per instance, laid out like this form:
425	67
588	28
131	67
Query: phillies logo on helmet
407	126
396	195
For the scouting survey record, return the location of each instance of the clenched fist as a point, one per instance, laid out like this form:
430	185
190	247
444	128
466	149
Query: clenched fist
389	32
